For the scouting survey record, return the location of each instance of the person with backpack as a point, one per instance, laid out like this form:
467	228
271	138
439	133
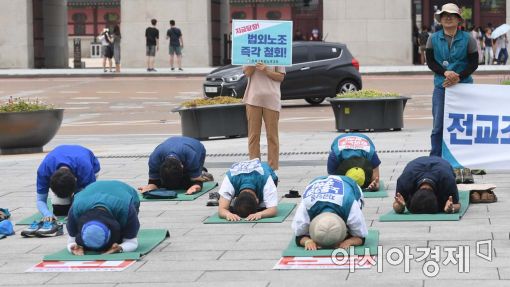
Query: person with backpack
106	48
422	41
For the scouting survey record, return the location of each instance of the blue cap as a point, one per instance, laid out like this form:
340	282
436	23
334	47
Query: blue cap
95	235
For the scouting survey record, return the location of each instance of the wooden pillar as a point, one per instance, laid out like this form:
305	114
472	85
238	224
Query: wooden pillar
426	16
476	13
94	12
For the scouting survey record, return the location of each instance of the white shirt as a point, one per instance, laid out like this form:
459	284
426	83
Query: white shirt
270	192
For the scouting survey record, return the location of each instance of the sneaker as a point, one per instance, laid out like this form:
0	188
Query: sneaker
207	176
292	194
180	69
173	69
467	177
50	228
214	198
154	70
148	69
32	229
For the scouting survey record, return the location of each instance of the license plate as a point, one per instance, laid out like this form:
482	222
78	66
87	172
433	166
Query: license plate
211	89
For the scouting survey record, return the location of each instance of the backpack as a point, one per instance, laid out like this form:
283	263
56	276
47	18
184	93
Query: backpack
422	38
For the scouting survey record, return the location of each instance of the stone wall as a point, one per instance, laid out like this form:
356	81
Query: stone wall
376	32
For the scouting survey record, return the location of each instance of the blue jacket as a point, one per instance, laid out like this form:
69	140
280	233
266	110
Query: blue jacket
339	154
80	160
454	58
252	180
431	167
189	151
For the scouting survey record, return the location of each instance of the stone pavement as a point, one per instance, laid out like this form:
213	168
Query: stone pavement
244	254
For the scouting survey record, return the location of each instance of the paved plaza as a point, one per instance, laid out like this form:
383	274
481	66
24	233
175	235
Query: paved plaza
244	254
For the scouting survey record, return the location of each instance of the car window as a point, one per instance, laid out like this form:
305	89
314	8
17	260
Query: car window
325	52
299	55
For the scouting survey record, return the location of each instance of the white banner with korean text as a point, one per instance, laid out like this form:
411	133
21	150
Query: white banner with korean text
476	126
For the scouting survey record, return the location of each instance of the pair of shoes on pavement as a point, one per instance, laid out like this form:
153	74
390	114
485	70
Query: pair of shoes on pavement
463	175
151	70
43	229
482	196
214	198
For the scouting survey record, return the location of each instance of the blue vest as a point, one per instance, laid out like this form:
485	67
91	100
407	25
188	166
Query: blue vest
334	193
115	196
353	145
455	58
253	180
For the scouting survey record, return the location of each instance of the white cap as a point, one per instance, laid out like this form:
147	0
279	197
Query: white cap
328	229
448	8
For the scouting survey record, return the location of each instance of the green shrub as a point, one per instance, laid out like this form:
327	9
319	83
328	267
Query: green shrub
367	94
211	101
22	105
505	82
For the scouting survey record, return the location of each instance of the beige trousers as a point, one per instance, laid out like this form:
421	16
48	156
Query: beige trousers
255	115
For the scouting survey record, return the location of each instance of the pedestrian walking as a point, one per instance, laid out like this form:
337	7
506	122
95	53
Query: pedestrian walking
152	44
422	41
175	46
501	49
116	47
262	99
452	56
487	46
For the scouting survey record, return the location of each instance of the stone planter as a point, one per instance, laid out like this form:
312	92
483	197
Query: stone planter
28	132
204	122
385	113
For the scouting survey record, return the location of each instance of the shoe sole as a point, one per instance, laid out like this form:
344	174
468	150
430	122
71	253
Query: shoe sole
29	235
53	234
212	204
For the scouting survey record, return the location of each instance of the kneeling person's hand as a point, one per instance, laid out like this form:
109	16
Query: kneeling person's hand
193	189
77	250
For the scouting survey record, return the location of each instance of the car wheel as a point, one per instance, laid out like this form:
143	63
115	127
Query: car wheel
314	101
347	86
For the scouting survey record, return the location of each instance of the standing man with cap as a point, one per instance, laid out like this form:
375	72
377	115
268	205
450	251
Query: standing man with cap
104	218
251	186
427	185
177	163
354	155
452	55
329	215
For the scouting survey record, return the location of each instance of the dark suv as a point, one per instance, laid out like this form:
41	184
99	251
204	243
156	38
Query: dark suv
319	70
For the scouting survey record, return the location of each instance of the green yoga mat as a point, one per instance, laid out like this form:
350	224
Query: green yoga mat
371	242
284	209
376	194
406	216
182	196
148	239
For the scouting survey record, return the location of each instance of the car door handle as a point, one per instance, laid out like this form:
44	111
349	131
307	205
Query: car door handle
304	69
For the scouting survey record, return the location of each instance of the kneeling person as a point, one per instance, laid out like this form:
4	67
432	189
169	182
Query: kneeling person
251	185
65	170
177	163
351	153
329	215
427	185
104	218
